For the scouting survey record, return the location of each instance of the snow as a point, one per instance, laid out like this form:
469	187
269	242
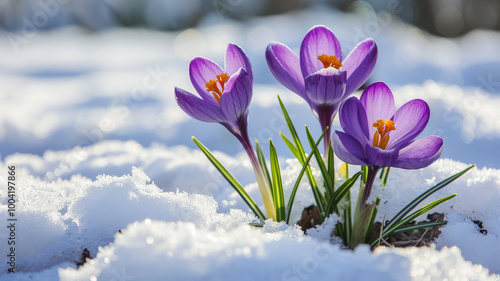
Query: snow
197	236
104	159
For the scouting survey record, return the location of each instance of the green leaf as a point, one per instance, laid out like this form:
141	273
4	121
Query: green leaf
364	169
291	128
263	164
361	225
290	145
424	195
419	226
331	164
372	220
324	171
305	166
384	175
340	193
301	156
340	203
346	210
277	187
256	224
391	229
231	180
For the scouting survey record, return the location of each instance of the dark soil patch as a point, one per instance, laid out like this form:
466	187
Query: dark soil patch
310	218
480	226
84	257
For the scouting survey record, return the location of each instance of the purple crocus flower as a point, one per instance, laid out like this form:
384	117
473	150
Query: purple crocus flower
320	76
225	94
377	135
225	97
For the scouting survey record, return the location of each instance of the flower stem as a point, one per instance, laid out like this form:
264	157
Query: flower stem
326	139
372	174
364	211
325	115
265	189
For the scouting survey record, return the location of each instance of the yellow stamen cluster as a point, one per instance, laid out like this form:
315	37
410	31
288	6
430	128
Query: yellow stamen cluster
381	137
330	61
214	88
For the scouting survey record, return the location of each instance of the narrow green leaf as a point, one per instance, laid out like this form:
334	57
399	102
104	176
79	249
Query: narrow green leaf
384	175
420	211
344	210
390	230
347	215
262	162
324	171
305	167
424	195
331	164
291	128
277	187
345	187
419	226
361	225
372	220
364	169
290	145
231	180
340	193
318	197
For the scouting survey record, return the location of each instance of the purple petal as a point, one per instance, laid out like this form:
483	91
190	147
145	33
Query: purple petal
359	64
348	149
197	108
318	41
236	59
285	66
380	157
378	102
326	87
353	120
420	153
410	120
236	96
202	70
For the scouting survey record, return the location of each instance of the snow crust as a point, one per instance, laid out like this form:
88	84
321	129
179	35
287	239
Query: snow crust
169	233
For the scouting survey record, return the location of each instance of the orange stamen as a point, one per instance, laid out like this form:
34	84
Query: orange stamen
381	136
330	61
217	89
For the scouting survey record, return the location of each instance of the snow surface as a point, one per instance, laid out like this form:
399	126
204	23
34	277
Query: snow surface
167	232
100	146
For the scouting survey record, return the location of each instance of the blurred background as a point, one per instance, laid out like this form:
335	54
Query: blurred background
448	18
74	73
